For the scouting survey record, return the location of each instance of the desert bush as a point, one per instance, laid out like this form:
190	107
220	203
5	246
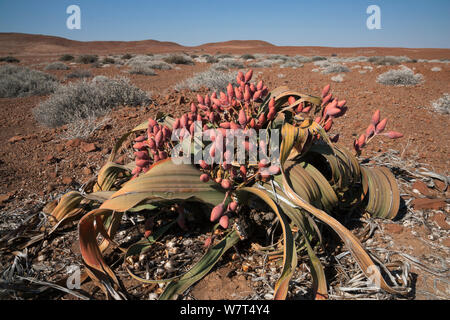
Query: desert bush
149	62
401	77
322	63
436	69
211	59
79	74
212	79
248	57
143	69
442	105
9	59
66	57
224	56
178	59
57	66
17	81
384	61
303	59
83	99
335	68
230	63
127	56
84	128
318	58
262	64
108	60
86	58
291	64
279	58
338	78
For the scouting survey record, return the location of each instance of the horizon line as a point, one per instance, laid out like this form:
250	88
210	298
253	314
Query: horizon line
218	42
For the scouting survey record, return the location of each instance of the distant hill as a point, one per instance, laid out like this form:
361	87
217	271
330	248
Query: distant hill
22	44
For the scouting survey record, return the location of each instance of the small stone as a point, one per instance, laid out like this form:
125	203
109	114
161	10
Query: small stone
446	242
60	148
393	228
422	188
87	171
67	180
41	258
16	139
152	296
50	187
73	143
4	198
88	147
50	158
121	159
440	218
434	204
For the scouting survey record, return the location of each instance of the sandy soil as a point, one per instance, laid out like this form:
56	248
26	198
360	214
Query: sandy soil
38	165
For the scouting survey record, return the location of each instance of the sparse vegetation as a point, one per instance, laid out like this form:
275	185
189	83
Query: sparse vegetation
87	58
81	100
291	64
436	69
142	69
248	57
401	77
335	68
211	79
127	56
79	74
442	105
178	59
338	78
66	57
230	63
58	65
108	60
262	64
17	81
9	59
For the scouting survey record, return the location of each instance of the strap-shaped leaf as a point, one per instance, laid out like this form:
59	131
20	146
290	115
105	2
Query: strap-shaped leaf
289	252
362	258
165	181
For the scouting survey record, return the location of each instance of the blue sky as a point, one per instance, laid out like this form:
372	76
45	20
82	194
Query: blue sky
336	23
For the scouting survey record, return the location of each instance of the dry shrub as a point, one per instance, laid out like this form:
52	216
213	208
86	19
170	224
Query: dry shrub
17	81
442	105
401	77
179	59
81	100
211	79
57	66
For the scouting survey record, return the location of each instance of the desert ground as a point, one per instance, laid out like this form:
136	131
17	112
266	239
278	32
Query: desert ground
39	164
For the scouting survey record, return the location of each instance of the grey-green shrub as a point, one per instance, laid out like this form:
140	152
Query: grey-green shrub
335	68
66	57
17	81
442	105
57	66
211	79
79	74
142	70
178	59
87	58
83	99
401	77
